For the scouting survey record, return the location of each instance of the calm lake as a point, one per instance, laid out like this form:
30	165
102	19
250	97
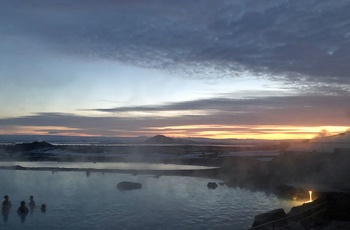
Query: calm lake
79	200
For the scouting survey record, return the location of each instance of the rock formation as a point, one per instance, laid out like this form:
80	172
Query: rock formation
327	212
265	218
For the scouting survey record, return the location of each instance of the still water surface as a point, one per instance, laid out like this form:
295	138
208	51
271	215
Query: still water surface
76	200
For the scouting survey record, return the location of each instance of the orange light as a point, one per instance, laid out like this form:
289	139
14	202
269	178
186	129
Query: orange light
310	200
310	193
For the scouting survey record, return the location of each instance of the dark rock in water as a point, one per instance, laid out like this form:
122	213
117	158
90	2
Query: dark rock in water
212	185
269	217
126	185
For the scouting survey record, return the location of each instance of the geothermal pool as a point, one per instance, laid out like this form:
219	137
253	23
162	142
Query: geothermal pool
77	200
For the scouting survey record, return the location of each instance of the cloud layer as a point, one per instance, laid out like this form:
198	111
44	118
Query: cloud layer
297	39
240	116
303	45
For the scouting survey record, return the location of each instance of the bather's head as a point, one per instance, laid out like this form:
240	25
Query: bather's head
23	203
31	198
6	197
43	208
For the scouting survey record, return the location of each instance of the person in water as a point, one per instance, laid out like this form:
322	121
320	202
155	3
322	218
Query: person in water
43	208
23	210
31	202
6	204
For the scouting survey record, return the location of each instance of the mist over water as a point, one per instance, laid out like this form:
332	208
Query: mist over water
76	200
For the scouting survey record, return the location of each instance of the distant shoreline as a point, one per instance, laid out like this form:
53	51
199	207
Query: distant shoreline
251	172
204	173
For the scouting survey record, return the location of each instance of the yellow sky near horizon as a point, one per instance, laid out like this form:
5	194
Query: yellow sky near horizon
193	131
256	132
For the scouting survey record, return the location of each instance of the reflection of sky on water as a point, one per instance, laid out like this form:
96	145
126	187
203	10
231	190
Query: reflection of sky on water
104	165
253	153
75	201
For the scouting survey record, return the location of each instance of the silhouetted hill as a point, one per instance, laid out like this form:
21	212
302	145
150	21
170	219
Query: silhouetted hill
56	139
160	139
30	146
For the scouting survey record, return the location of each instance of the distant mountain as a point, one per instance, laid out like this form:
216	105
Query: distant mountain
56	139
30	146
161	139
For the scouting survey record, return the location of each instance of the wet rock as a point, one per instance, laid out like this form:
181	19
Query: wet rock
330	211
126	185
212	185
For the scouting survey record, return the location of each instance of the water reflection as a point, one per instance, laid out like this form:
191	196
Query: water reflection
5	214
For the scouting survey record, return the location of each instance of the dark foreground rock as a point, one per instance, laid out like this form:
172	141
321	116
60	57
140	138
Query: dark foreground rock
126	185
330	211
265	218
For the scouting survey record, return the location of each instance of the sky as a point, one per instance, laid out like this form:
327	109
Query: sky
276	69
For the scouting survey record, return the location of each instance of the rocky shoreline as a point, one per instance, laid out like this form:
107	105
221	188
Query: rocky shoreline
330	211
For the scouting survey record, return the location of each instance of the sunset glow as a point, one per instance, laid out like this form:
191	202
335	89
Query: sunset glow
248	101
247	132
181	69
206	131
